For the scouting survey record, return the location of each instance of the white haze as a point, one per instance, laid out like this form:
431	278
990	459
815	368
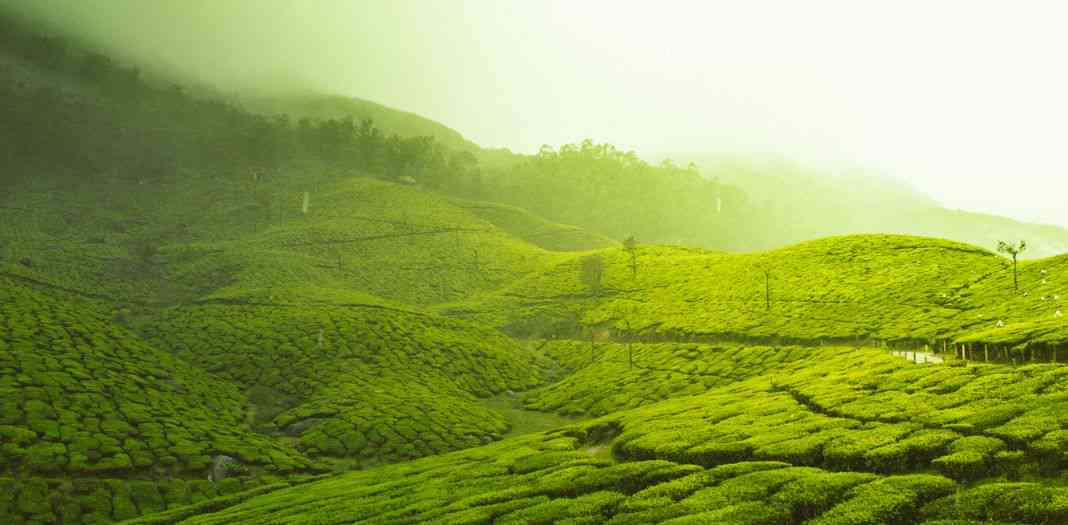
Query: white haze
968	101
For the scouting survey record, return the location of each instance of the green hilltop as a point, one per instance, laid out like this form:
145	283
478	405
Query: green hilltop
869	289
322	310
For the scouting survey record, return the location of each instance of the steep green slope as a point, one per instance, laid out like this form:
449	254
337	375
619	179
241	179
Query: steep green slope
97	425
180	239
358	381
385	239
82	395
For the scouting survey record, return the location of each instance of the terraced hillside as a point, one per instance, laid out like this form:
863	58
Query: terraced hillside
181	240
835	438
236	318
94	420
536	230
358	381
101	424
607	377
1033	318
860	288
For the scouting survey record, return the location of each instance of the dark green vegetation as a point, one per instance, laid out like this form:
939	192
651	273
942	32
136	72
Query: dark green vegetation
389	325
356	380
835	437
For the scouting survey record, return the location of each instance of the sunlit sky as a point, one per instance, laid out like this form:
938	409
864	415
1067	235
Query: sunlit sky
968	101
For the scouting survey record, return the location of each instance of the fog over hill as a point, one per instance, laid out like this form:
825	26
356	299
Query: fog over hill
265	262
968	108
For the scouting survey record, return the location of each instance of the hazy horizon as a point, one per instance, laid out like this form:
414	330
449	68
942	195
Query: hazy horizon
963	102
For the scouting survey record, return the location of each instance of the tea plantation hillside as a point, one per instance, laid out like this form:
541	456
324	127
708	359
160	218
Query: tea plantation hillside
1032	319
210	315
806	405
536	230
219	237
835	438
355	381
90	412
859	288
607	377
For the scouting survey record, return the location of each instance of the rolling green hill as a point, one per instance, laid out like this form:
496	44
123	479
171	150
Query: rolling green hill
524	225
97	425
356	381
860	288
83	395
371	328
206	237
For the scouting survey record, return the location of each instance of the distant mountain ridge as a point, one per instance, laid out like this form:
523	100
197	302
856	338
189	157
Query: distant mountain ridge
791	204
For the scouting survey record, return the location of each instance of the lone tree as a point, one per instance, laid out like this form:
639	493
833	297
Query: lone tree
593	273
767	285
631	246
1013	250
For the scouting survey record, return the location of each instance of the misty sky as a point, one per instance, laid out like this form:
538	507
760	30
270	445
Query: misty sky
968	102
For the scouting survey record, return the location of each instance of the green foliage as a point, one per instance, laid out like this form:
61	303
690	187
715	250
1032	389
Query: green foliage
362	382
1010	502
83	396
603	380
531	228
165	301
859	289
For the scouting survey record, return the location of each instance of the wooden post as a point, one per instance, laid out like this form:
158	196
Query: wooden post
986	353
